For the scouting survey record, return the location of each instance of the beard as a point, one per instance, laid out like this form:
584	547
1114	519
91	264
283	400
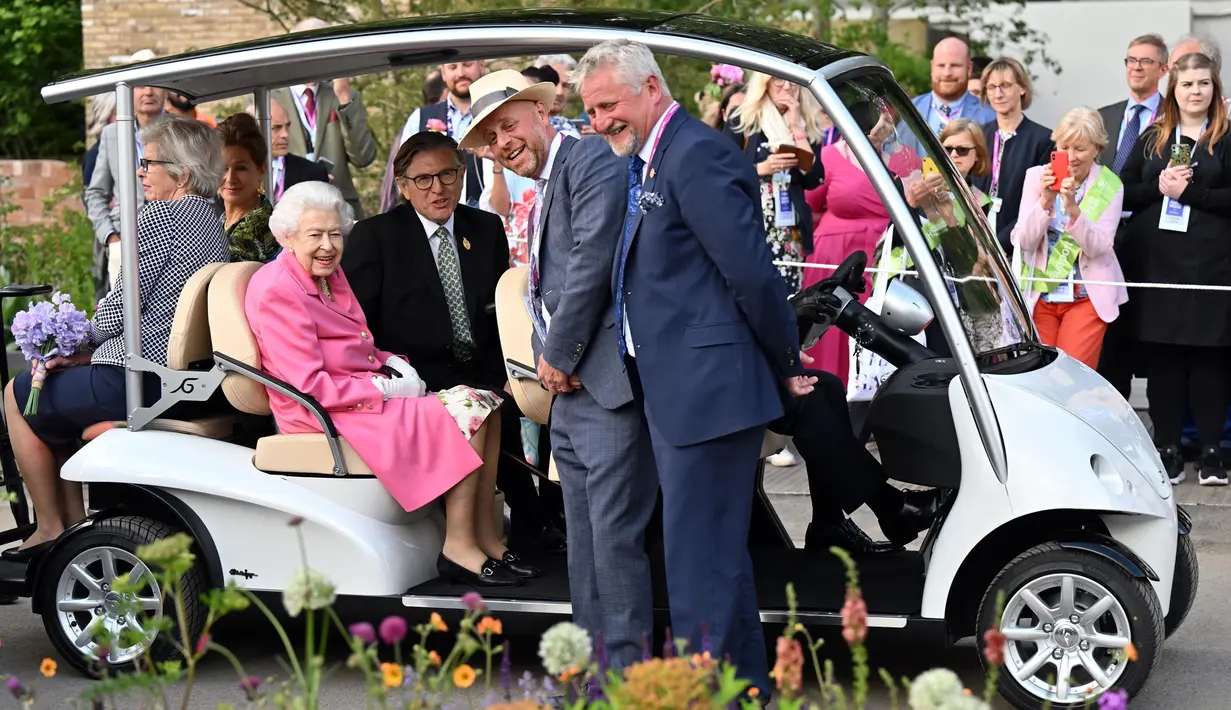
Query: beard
631	147
536	153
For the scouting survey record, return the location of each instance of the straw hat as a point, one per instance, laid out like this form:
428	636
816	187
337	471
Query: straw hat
491	91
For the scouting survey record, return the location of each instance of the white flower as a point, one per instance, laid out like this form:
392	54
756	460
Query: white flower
935	689
309	589
565	646
964	702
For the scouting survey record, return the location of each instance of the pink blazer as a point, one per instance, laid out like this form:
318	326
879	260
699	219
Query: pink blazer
1097	259
324	348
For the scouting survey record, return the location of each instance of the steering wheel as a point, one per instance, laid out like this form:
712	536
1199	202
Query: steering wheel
817	308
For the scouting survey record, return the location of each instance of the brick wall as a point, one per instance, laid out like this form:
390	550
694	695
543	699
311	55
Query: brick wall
26	183
113	29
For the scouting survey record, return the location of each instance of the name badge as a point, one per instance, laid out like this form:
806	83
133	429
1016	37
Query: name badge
1174	216
996	203
784	211
1061	293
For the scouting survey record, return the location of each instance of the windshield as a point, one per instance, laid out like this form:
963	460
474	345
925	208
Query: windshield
950	213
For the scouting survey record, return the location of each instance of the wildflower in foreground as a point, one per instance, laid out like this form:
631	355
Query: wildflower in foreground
854	619
563	647
15	688
391	673
935	689
994	650
434	658
249	686
473	602
1130	652
48	669
488	625
392	630
965	702
788	670
1113	700
664	684
363	631
438	623
202	644
307	589
463	676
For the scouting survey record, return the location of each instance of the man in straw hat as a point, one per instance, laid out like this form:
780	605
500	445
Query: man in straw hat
598	437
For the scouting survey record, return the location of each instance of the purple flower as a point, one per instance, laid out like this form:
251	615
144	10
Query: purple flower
645	647
15	688
473	602
363	631
1113	700
706	646
506	673
250	685
393	629
50	328
669	645
600	653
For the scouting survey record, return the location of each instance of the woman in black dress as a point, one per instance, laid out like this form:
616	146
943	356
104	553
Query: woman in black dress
1180	233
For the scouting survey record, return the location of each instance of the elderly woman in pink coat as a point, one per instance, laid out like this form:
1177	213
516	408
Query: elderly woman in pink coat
421	445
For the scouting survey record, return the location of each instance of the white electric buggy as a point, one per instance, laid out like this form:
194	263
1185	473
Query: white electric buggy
1053	491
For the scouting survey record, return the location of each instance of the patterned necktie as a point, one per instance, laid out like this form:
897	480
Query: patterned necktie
1131	132
309	107
451	280
532	241
635	165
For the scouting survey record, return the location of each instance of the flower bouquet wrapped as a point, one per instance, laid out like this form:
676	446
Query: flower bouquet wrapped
45	330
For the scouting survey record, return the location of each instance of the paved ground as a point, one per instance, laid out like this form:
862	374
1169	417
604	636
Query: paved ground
1192	673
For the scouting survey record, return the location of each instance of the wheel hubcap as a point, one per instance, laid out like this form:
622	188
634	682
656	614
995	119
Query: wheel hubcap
1063	636
88	609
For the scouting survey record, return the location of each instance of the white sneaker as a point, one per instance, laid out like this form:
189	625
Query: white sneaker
783	459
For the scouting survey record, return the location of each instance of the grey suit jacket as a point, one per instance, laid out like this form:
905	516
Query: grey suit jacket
583	221
1113	116
342	136
103	211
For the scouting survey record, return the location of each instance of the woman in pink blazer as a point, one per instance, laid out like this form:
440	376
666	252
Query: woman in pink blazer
1066	230
312	335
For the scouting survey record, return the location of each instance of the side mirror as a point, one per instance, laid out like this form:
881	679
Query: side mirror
905	310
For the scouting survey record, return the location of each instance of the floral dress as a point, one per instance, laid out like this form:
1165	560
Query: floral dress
469	407
784	244
250	238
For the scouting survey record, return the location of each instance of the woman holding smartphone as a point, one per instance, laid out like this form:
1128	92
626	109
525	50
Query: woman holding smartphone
1066	227
1177	183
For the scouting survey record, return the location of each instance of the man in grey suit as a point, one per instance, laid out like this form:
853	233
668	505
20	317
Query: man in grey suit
100	196
601	447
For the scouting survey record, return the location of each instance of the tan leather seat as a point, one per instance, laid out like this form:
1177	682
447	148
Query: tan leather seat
282	453
189	343
516	330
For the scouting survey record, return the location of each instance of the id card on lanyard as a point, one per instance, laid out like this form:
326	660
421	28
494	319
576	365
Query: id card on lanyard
1174	217
784	211
997	151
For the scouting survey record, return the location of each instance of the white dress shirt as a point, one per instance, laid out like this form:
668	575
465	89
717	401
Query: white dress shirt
278	167
536	232
647	154
297	93
430	227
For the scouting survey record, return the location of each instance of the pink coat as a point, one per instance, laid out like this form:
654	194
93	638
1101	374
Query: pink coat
1097	259
324	349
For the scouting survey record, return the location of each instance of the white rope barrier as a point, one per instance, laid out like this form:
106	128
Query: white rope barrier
988	279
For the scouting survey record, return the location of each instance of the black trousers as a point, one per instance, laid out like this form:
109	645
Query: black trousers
1193	376
1121	356
842	473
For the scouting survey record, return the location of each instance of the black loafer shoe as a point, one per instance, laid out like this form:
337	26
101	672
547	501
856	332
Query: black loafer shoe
493	574
919	509
846	535
14	554
514	564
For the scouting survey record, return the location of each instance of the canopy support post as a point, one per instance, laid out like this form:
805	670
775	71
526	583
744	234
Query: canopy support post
261	100
126	195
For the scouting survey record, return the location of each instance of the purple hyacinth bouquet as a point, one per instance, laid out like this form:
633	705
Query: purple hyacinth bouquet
45	330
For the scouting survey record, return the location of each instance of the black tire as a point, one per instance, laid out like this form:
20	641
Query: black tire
1136	596
1183	586
126	533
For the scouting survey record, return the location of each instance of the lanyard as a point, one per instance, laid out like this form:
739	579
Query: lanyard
831	136
1202	133
996	148
662	127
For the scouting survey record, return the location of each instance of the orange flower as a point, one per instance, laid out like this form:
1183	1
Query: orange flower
48	668
788	670
392	674
569	674
488	625
434	658
754	692
463	676
438	623
1130	652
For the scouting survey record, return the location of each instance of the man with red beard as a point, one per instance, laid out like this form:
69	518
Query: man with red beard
598	437
451	116
950	97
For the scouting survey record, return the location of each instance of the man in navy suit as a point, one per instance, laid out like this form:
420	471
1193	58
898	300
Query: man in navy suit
709	339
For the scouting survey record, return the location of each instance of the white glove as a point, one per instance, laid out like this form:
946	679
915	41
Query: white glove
408	374
395	387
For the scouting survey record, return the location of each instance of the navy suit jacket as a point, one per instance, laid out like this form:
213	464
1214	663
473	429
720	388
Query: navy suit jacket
715	336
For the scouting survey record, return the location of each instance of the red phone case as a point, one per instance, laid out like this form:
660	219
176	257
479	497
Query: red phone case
1059	166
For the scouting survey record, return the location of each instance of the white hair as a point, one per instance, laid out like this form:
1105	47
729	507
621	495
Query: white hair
634	63
304	196
1209	47
188	144
101	108
311	23
563	60
142	55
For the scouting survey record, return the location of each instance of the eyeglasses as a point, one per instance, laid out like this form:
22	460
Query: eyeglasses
145	163
997	88
1144	63
779	83
960	151
424	182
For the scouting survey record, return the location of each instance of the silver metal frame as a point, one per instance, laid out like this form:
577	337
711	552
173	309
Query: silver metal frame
500	41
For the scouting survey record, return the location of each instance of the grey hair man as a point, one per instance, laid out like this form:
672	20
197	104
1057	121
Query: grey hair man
1198	44
99	195
599	441
564	64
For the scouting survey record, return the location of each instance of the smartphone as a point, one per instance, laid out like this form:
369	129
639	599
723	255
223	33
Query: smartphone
929	167
1059	167
1181	154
